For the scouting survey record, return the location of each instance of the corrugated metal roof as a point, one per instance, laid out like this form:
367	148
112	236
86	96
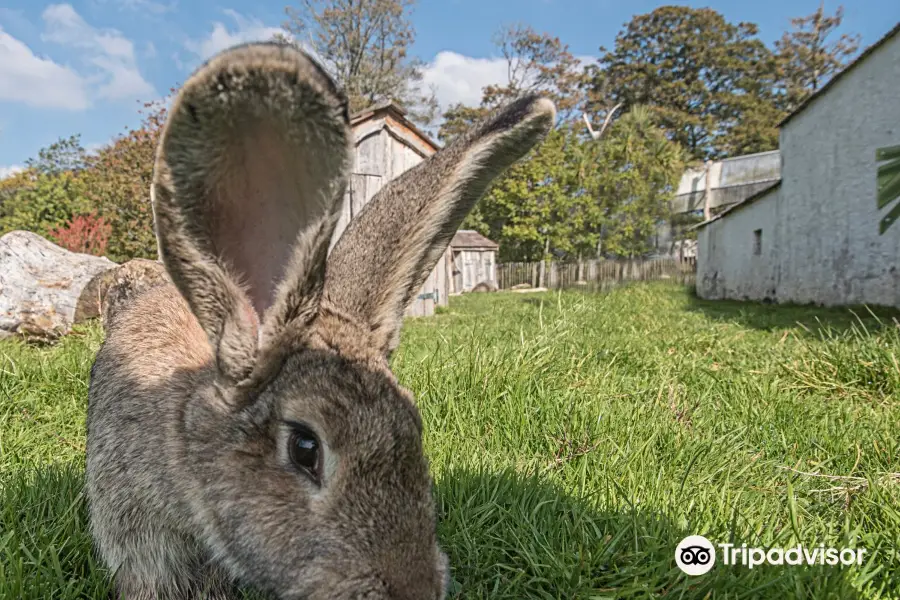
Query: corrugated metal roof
469	239
745	202
738	170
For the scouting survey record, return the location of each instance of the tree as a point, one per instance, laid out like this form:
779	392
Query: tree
118	185
47	201
540	205
536	62
364	45
807	59
701	77
65	154
12	185
639	169
87	234
458	119
48	192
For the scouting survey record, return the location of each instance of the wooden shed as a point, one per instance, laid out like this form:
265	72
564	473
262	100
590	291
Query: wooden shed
387	144
474	260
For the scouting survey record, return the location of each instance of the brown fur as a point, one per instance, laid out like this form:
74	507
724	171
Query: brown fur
194	392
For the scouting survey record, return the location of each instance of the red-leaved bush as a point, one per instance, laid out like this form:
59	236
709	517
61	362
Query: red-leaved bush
88	234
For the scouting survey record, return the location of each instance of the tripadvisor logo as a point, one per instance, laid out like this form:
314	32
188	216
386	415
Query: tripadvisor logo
696	555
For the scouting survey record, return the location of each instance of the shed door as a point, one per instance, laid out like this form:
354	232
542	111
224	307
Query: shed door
470	272
458	272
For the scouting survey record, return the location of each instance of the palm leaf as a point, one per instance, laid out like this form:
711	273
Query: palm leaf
888	184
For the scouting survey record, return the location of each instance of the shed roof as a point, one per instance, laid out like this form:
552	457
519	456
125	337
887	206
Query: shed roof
469	239
862	56
396	115
745	202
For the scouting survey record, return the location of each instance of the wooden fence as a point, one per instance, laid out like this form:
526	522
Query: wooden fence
595	274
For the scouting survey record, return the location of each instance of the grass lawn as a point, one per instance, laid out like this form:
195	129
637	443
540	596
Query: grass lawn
575	440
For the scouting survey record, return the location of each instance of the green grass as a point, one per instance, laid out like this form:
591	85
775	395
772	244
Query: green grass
575	440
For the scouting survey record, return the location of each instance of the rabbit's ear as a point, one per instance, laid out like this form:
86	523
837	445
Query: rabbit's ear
249	174
387	252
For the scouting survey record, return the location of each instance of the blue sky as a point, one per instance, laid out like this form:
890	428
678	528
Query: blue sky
83	66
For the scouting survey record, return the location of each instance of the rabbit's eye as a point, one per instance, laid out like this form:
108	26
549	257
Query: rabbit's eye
303	449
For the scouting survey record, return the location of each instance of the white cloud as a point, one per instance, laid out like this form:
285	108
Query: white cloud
246	29
110	55
10	171
459	78
36	81
144	6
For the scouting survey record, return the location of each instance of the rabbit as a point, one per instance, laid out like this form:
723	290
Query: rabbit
244	428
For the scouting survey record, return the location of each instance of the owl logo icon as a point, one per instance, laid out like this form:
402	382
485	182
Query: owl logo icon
695	555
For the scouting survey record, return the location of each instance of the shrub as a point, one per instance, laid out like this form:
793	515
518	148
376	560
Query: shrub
88	234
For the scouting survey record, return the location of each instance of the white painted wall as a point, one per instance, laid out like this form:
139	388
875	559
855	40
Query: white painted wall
826	248
726	264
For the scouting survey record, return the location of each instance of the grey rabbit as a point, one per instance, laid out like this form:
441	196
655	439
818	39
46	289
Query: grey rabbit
244	427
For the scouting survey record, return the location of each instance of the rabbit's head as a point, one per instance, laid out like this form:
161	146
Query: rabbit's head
310	477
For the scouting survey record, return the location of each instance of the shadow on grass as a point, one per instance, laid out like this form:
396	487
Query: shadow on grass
811	318
510	536
507	536
45	547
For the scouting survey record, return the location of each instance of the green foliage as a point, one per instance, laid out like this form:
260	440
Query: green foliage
574	440
49	192
536	202
638	169
700	74
65	154
888	184
119	178
48	201
572	194
807	59
99	202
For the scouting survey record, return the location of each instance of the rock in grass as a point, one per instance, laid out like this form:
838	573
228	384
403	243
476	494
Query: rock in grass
40	285
485	286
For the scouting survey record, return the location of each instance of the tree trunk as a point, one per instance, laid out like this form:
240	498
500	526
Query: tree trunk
40	285
543	273
45	289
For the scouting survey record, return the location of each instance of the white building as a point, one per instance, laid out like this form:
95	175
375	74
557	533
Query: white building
814	236
715	185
